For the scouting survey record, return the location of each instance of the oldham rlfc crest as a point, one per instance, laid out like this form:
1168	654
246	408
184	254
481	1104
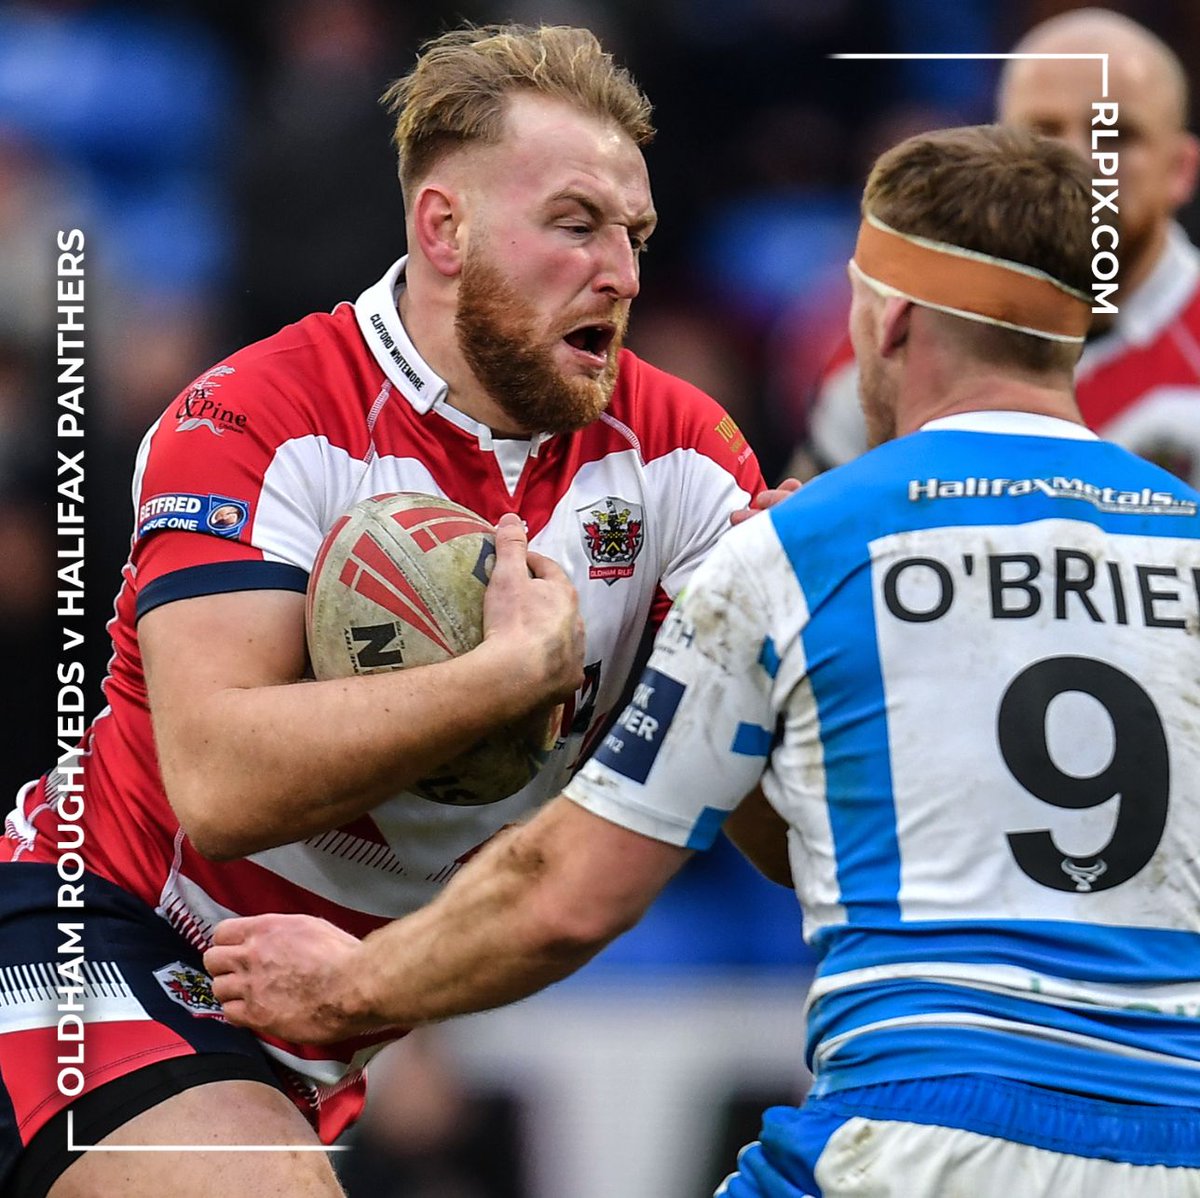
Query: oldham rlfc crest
613	532
190	988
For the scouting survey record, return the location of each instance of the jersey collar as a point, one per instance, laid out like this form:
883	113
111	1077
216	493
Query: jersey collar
1020	424
1146	312
379	322
1165	292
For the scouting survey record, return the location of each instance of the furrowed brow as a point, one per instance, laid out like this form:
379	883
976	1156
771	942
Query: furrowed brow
643	225
570	196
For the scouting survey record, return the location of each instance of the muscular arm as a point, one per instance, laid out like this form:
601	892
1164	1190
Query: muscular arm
252	757
534	907
760	834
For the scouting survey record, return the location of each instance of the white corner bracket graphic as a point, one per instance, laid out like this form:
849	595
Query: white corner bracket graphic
73	1147
1105	167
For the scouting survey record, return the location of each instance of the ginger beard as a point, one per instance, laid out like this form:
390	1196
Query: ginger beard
877	399
876	392
498	337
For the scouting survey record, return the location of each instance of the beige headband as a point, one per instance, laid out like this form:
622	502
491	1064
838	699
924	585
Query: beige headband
968	284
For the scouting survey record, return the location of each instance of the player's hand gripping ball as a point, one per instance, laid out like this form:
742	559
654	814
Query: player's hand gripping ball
399	582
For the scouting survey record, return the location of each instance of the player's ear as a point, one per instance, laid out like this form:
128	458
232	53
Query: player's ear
436	228
1186	164
893	325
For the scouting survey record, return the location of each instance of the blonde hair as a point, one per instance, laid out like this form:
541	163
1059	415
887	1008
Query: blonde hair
456	94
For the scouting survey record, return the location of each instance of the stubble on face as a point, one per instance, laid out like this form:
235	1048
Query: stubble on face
877	405
878	412
514	361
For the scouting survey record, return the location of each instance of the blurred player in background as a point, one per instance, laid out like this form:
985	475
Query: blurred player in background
485	366
964	669
1138	381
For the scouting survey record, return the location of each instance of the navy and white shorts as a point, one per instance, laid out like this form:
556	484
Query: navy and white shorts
119	1026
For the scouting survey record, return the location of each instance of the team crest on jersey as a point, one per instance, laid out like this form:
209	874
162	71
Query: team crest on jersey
613	534
199	409
190	988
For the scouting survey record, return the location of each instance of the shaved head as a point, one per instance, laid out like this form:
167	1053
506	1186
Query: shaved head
1157	156
1138	60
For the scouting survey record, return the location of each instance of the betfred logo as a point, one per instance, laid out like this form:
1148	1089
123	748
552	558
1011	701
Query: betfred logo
184	505
613	534
219	515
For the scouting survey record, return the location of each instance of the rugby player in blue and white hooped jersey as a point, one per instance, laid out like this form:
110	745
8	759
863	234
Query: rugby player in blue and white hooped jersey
965	668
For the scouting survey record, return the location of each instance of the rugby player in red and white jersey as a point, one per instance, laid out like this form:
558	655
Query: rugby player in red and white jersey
1138	381
487	367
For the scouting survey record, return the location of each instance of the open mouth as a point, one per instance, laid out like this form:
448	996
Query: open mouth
592	340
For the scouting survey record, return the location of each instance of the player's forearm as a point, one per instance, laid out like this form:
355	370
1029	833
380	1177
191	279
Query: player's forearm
501	931
263	766
536	904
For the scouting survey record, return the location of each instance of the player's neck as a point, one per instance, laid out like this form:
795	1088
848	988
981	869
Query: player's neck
983	390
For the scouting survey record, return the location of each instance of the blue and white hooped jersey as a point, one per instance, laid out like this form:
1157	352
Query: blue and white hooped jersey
967	668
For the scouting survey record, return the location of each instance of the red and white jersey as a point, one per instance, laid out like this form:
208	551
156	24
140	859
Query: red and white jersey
236	485
1138	385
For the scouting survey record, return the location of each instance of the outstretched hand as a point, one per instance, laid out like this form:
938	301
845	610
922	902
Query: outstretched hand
531	603
766	499
291	976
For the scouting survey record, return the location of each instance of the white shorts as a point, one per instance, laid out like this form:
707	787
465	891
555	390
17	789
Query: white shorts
894	1141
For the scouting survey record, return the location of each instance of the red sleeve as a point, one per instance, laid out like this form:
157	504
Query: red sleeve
210	512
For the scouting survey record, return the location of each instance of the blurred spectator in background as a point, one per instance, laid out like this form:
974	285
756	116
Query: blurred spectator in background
27	582
138	102
315	194
427	1134
113	119
1138	382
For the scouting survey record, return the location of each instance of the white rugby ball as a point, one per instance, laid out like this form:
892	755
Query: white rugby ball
399	582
